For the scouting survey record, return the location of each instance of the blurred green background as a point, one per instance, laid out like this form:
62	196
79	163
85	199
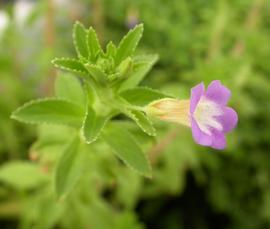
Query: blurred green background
192	186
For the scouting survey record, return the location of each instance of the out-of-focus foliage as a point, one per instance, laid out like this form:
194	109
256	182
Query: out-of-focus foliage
192	187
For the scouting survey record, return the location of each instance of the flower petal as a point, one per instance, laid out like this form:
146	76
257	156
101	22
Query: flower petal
218	93
196	93
219	140
228	119
199	136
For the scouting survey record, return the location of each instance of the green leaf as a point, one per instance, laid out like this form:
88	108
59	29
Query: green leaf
93	44
110	49
69	168
72	65
126	148
96	73
128	44
143	122
68	87
92	125
22	175
50	111
49	136
90	93
80	40
141	96
141	68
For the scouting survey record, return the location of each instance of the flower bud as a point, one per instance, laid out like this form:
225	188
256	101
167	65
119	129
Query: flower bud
125	68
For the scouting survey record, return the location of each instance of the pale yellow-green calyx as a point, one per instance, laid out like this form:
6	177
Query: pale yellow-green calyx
170	110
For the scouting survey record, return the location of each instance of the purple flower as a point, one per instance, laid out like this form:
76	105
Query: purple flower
210	116
206	113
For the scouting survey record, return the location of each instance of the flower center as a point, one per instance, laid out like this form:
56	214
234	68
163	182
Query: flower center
205	115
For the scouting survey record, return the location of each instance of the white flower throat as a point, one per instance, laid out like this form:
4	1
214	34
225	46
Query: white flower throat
205	115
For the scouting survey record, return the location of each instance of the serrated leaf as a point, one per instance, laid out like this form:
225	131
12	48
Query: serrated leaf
128	44
50	111
22	175
80	40
69	168
96	73
68	87
126	148
143	122
141	68
92	125
93	44
141	96
67	64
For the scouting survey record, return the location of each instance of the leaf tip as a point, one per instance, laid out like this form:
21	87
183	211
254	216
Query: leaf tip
13	115
140	26
91	28
153	134
77	23
53	61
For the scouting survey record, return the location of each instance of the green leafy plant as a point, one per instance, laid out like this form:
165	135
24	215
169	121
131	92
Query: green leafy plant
228	189
106	86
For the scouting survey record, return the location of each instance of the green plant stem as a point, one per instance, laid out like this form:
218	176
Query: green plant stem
158	148
137	108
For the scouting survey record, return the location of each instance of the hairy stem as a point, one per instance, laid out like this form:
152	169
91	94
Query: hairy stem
157	149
